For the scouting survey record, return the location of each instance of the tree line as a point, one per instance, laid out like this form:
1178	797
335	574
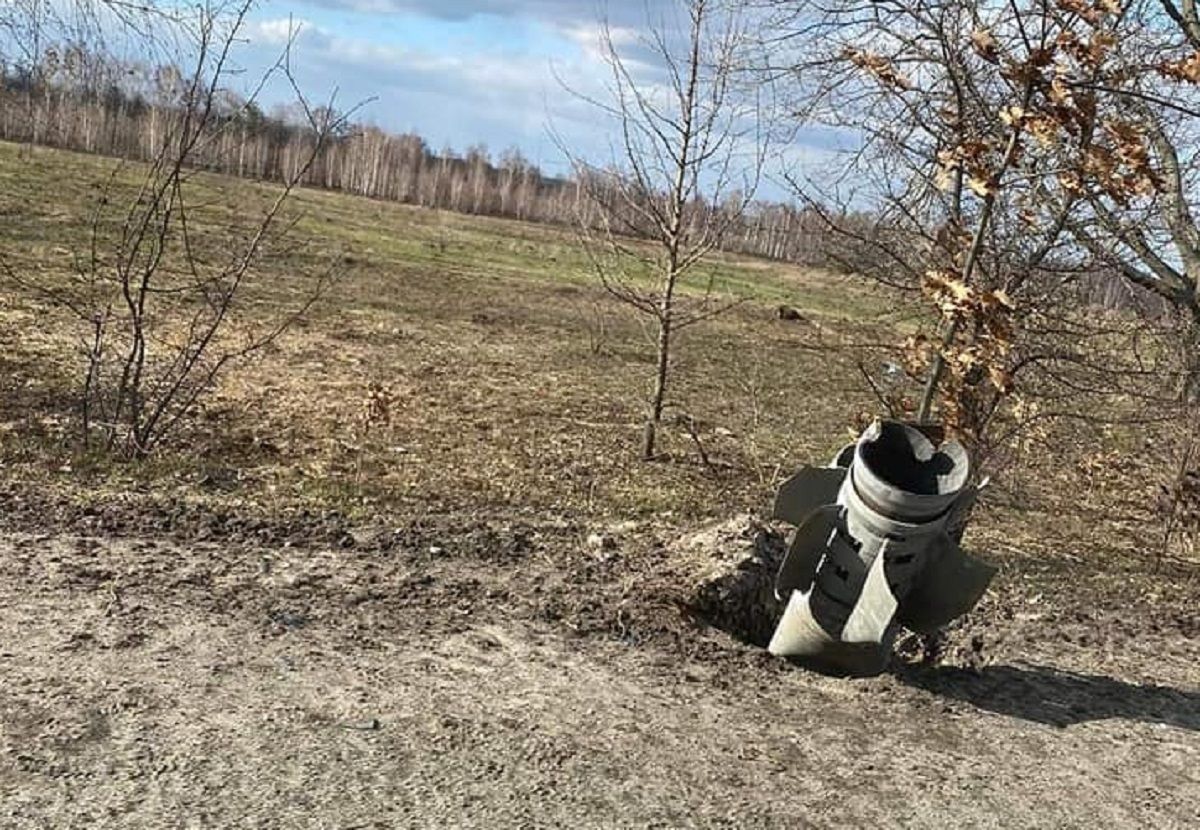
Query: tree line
76	99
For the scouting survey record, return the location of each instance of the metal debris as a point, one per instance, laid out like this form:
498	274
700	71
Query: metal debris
876	548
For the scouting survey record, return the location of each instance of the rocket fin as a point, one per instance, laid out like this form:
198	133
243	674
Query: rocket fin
799	566
799	635
960	512
950	586
876	607
810	488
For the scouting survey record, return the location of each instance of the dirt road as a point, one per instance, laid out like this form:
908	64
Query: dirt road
153	685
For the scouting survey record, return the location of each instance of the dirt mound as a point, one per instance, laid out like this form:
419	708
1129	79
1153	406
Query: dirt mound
723	574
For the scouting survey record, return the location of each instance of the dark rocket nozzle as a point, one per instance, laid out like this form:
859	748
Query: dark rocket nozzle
904	458
900	472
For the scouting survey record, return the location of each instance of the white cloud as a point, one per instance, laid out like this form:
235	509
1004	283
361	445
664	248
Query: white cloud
503	98
556	12
276	31
495	94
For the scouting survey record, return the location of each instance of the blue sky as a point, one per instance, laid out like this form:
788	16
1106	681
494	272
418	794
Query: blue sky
458	72
464	72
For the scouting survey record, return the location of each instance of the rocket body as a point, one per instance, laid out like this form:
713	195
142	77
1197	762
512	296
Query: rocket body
871	551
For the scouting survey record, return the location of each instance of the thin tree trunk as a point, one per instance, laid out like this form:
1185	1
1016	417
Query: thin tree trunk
938	368
654	416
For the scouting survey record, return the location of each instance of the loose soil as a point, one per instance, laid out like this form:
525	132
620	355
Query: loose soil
501	675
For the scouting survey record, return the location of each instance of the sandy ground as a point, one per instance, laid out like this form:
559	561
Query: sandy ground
152	685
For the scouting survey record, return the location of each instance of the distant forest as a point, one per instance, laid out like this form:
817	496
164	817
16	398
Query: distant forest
80	101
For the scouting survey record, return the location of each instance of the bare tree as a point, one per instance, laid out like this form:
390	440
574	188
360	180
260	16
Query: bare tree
961	111
691	153
163	304
1132	180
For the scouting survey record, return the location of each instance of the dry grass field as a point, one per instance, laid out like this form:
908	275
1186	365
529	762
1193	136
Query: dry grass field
403	569
510	378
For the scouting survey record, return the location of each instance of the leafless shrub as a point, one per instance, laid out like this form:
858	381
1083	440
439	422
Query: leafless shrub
164	310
